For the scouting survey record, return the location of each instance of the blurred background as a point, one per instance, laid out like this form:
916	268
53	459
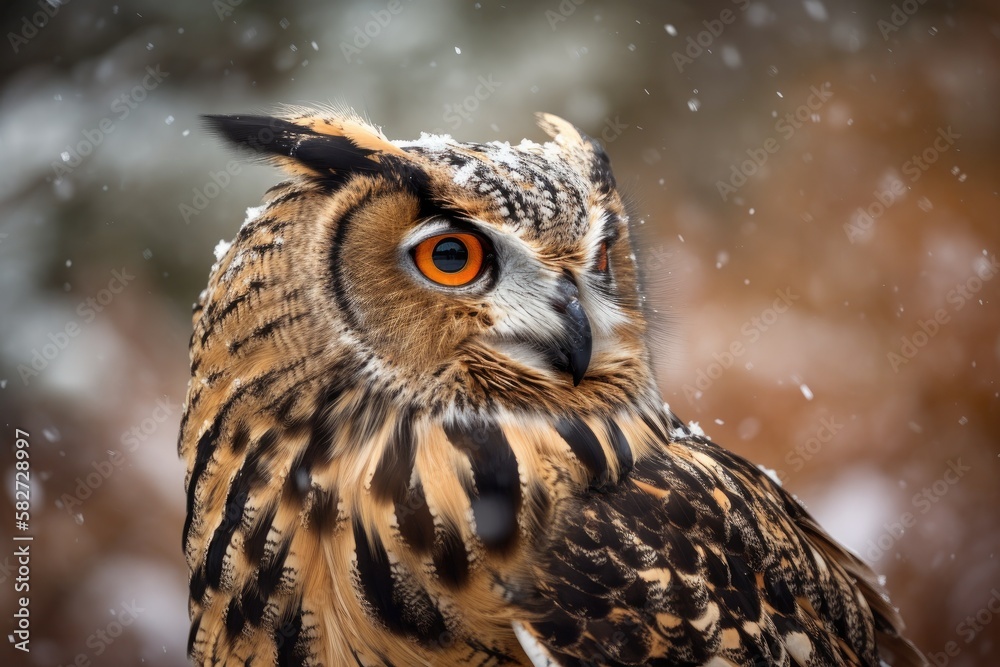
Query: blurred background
815	185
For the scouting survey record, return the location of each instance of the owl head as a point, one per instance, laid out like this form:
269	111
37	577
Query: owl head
472	274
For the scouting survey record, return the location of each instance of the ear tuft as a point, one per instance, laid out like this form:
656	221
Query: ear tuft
309	144
588	153
562	131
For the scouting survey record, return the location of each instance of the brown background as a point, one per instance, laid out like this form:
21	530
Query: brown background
810	392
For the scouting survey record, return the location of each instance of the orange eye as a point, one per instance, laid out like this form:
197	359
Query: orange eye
450	259
602	257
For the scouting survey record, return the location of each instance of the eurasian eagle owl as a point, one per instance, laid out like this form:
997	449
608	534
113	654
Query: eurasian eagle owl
423	429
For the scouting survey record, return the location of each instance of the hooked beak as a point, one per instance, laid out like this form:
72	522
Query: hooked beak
571	353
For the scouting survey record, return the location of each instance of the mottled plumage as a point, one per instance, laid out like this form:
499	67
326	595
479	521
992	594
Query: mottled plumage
392	463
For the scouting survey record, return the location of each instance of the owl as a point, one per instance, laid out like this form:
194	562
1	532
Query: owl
422	428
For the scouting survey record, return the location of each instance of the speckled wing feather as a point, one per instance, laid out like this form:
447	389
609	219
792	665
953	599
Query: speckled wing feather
698	558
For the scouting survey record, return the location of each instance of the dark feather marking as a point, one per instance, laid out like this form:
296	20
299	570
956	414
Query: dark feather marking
217	318
658	427
743	597
624	451
291	393
412	614
263	248
235	620
497	502
253	472
206	444
559	628
375	576
717	572
241	438
365	427
283	411
265	330
193	634
198	584
451	560
286	640
257	592
228	309
337	284
778	593
395	467
280	185
323	513
416	525
679	511
322	428
203	453
297	486
256	539
586	447
291	195
335	158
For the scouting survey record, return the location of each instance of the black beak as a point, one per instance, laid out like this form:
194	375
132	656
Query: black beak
572	352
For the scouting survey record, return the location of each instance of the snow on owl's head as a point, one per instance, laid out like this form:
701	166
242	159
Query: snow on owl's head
480	273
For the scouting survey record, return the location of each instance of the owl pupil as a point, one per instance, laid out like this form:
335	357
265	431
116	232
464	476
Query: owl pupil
450	255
